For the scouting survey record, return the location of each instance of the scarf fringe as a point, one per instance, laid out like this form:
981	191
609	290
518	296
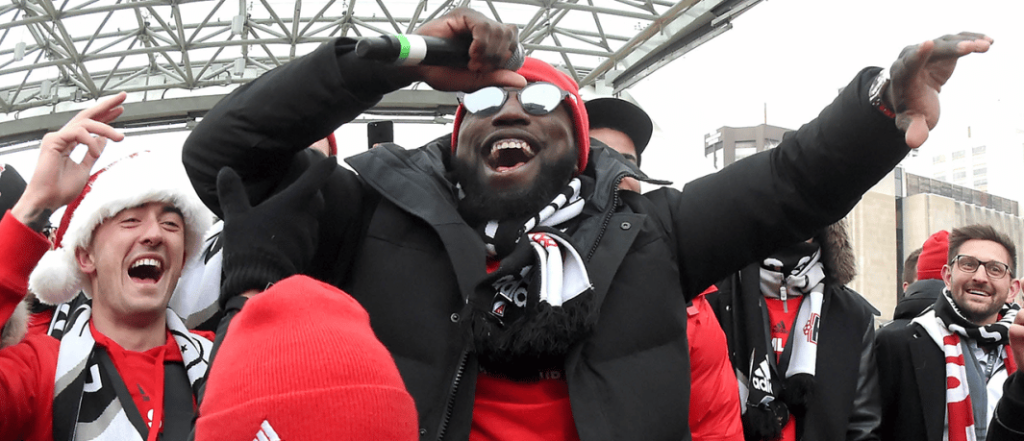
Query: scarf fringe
539	341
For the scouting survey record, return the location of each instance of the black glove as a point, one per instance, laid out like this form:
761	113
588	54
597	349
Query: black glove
273	240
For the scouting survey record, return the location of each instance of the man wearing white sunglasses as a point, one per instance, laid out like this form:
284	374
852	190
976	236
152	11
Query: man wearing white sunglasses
522	295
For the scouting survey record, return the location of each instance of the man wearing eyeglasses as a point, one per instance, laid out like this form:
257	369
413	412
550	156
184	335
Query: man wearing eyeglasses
944	372
523	295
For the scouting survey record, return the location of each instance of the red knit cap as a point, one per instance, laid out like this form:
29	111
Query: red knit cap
300	362
933	256
535	70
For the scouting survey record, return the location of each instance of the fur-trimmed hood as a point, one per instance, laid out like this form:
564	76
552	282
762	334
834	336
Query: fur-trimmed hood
837	253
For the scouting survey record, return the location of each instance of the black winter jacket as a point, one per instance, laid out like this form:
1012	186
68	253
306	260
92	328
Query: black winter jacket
846	402
391	237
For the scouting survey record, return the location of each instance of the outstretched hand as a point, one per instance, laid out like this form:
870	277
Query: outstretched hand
493	44
918	75
274	239
57	178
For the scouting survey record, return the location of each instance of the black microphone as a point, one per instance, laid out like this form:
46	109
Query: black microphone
412	50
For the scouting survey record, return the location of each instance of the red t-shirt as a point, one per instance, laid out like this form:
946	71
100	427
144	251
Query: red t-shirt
523	411
781	317
143	375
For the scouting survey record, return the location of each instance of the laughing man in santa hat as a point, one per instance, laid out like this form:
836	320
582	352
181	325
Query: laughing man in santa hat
127	368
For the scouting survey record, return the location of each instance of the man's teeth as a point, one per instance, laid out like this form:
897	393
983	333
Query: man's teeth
512	144
147	262
979	293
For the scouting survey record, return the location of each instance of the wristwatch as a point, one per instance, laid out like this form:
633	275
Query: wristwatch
877	92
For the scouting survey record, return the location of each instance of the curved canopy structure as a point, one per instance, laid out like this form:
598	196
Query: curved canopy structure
176	58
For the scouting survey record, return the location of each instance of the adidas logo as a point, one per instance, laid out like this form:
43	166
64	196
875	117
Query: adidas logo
761	380
779	328
266	433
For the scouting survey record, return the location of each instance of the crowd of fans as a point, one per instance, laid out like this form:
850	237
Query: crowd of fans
509	281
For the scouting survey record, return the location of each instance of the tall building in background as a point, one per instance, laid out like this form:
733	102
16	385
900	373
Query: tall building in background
730	144
966	166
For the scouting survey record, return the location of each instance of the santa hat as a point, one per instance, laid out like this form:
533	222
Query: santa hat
300	362
933	256
535	70
128	182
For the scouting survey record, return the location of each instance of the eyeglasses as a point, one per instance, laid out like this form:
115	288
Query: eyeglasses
969	264
536	98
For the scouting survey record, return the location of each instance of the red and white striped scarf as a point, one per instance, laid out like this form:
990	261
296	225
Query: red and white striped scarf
945	324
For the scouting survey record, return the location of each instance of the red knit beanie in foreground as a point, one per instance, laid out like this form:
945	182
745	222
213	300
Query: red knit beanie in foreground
300	362
535	70
933	256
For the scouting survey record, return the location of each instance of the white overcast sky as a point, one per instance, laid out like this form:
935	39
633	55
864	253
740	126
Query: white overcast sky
792	56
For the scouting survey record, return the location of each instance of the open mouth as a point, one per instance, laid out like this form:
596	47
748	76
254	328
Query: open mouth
509	154
146	270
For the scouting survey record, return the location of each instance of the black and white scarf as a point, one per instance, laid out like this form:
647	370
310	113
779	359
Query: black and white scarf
771	396
946	324
84	405
524	316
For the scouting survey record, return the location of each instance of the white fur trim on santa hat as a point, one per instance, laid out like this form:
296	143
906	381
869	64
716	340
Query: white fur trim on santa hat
131	182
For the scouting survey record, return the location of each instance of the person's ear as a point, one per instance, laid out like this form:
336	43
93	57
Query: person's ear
1014	289
947	275
85	261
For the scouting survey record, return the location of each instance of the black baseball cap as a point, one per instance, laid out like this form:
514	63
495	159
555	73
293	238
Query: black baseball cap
624	116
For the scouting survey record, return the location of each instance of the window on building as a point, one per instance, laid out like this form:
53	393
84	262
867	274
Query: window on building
959	154
939	159
978	183
745	144
980	171
959	174
743	152
979	150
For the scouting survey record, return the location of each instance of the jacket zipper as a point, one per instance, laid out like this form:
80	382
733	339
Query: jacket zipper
451	396
608	214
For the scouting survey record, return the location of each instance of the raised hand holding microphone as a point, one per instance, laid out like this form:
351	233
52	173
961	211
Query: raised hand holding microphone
491	46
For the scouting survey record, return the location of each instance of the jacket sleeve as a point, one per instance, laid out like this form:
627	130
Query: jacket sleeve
866	415
262	129
25	389
1007	423
816	175
20	251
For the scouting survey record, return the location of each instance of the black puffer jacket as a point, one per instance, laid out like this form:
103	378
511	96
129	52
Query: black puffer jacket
391	236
